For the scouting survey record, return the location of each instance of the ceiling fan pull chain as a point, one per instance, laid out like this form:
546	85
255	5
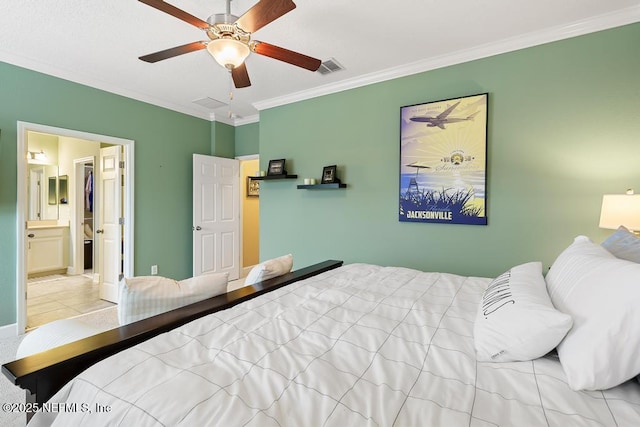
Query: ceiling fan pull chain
230	94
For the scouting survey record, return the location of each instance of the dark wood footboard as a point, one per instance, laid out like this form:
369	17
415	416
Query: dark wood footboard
43	374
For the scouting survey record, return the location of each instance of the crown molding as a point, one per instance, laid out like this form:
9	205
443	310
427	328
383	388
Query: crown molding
602	22
222	118
235	121
255	118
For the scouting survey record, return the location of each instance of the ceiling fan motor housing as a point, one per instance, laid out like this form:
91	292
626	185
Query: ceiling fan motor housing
222	26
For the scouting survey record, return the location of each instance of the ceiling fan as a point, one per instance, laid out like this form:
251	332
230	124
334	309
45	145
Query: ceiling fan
230	39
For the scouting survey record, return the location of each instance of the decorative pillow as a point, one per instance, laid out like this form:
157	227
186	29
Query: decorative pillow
623	244
516	320
145	296
602	294
269	269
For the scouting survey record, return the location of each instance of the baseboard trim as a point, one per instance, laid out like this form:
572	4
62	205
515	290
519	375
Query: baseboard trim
9	331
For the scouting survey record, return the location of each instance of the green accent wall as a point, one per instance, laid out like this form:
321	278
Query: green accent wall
164	144
222	140
247	140
563	129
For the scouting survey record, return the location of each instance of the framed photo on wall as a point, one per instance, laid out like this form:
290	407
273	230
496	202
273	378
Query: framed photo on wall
329	175
276	167
253	187
443	161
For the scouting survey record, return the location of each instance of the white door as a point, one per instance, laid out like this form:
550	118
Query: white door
109	231
216	215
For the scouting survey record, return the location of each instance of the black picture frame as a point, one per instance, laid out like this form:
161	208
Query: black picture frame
276	167
253	187
329	175
443	161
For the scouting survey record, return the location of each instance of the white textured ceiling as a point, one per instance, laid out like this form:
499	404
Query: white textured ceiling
98	42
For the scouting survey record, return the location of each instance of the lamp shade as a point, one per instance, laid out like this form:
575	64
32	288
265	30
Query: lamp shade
229	53
620	209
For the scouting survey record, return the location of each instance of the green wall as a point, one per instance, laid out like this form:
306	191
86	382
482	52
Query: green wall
247	139
563	129
222	140
164	143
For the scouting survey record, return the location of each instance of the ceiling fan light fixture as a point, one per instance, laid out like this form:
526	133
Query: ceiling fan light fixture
229	53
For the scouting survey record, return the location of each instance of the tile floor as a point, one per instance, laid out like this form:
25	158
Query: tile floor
59	296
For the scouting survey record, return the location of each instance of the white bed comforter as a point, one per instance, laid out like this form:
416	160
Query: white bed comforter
359	345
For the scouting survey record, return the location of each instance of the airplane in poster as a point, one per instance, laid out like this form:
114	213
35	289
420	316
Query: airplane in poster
443	118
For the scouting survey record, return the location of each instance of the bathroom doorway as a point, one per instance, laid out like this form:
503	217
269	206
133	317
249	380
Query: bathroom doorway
74	288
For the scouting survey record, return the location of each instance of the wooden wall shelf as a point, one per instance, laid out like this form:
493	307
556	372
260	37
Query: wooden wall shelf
268	177
322	186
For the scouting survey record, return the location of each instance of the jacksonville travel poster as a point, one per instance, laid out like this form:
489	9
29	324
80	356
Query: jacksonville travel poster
443	148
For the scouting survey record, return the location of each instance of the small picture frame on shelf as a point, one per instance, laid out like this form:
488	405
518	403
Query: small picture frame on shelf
253	187
329	175
276	167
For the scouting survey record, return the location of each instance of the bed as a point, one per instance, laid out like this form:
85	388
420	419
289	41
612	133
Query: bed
355	345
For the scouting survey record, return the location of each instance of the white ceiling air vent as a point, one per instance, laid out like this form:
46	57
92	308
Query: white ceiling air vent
330	66
209	103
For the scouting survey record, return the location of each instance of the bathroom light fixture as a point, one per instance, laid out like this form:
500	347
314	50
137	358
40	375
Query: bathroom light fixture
38	155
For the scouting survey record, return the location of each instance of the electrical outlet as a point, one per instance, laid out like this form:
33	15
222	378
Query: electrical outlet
154	269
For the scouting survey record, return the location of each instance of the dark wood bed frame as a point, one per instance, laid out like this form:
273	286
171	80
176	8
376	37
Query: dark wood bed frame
43	374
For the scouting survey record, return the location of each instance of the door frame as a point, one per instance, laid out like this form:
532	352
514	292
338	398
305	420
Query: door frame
21	204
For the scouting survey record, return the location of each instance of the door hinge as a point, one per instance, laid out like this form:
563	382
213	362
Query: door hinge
121	221
121	164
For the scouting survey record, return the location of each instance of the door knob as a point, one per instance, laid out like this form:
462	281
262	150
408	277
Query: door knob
198	228
31	235
99	231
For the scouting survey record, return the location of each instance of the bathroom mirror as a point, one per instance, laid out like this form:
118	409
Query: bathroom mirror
42	192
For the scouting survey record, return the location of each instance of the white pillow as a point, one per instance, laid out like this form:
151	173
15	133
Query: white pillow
54	334
516	320
145	296
269	269
602	294
623	244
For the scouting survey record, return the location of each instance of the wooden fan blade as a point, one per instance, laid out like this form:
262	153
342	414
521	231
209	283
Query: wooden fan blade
288	56
240	76
264	12
178	13
174	51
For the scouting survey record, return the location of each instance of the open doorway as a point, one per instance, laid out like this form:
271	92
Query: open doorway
250	212
59	242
